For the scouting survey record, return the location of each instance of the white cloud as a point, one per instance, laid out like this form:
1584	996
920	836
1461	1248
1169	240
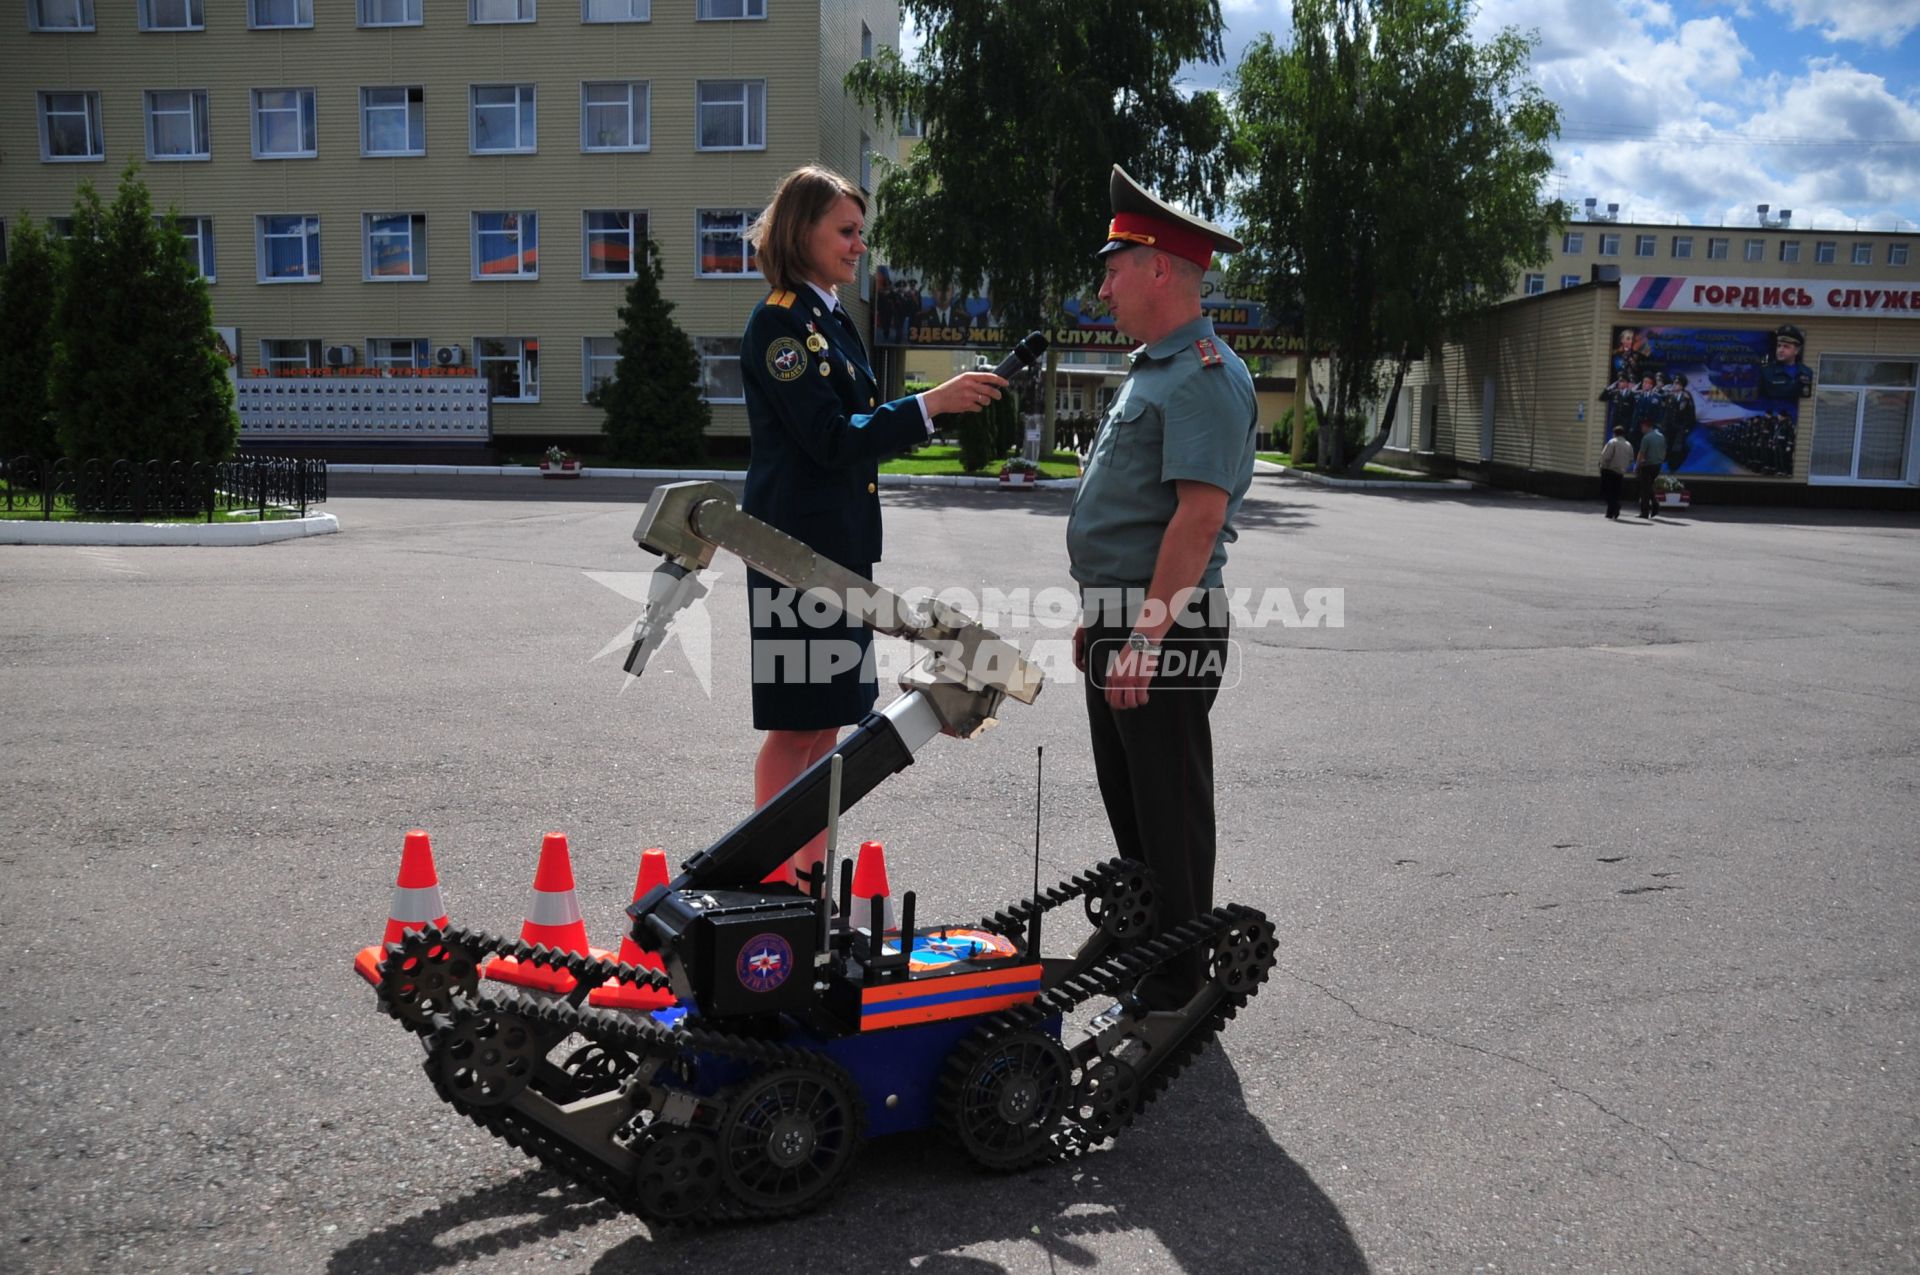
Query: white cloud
1884	22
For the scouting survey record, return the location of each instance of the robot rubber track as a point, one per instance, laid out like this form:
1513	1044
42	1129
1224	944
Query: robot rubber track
626	1117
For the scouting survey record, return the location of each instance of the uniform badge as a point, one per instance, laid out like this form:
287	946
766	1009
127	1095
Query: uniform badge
764	963
1209	355
785	359
826	367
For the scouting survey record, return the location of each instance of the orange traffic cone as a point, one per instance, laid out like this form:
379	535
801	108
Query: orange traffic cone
870	883
618	995
416	903
553	919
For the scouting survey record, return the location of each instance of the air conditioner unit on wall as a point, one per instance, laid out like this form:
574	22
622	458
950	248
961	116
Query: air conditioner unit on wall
449	356
339	356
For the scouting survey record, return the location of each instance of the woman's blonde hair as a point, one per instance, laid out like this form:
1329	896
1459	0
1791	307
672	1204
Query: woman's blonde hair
779	234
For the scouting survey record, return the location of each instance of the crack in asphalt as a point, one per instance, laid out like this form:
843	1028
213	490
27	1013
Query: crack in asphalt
1666	1144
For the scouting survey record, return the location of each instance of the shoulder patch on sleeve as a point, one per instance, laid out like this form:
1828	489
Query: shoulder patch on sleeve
782	300
1209	354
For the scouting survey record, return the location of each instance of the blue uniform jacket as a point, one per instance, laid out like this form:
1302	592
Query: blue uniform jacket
818	429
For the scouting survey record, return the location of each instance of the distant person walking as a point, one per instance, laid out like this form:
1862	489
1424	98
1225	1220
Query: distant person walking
1652	455
1616	458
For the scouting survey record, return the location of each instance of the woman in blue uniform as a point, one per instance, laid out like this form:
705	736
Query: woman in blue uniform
819	432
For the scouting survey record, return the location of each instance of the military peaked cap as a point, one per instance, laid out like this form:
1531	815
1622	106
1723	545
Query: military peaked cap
1141	218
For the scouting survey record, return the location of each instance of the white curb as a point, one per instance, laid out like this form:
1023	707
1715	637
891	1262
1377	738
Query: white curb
19	531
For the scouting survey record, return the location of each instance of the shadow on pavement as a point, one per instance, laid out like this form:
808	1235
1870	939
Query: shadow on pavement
533	1207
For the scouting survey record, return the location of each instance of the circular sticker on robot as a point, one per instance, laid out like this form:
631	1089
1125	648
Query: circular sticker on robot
786	360
947	947
765	961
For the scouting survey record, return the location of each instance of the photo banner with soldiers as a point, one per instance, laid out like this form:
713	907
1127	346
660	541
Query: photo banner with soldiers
1728	400
909	311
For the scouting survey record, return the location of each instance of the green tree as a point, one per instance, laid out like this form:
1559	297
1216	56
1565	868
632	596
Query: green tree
655	414
1024	107
1393	186
136	373
26	343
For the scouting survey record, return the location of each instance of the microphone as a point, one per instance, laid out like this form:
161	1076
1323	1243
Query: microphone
1031	347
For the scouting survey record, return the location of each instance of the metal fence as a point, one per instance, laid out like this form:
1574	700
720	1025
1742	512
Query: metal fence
157	488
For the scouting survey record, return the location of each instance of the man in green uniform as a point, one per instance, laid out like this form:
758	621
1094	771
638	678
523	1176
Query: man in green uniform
1146	541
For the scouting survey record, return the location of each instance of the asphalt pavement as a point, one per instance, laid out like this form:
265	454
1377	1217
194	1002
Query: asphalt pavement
1590	846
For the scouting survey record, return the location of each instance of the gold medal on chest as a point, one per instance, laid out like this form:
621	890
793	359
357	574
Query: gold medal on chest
815	342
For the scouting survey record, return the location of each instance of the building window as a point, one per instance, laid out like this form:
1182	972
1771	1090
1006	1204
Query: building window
1789	250
177	125
723	250
60	15
1535	285
500	11
731	10
1826	252
1643	245
1756	250
283	124
70	127
1573	241
866	162
391	13
198	232
511	365
289	248
614	117
733	115
397	351
278	354
172	15
60	228
866	41
1863	420
279	13
909	124
616	10
1566	280
506	245
396	246
393	121
599	356
503	119
1717	249
1863	254
1896	254
720	380
612	244
1682	247
1609	245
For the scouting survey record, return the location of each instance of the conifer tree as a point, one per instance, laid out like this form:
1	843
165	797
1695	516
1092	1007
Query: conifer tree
655	412
26	343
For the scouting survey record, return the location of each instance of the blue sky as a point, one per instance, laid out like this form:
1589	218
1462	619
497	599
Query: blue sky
1697	110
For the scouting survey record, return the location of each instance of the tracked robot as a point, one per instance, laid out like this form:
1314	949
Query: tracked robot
806	1024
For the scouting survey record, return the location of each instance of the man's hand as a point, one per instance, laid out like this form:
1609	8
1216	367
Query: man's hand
1080	648
1129	676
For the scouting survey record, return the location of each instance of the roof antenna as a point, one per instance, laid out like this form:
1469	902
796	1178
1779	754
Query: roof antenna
1033	921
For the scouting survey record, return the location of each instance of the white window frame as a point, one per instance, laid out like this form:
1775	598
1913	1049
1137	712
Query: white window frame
1683	247
752	101
37	16
529	370
262	232
705	12
636	240
1570	281
1719	247
198	231
193	12
523	12
90	113
1754	250
529	221
1896	254
637	10
1646	245
1789	251
1852	479
638	106
1862	254
714	355
1573	241
588	358
382	352
1610	245
1534	284
273	361
415	110
415	9
745	217
307	111
198	122
302	19
1825	252
525	97
416	236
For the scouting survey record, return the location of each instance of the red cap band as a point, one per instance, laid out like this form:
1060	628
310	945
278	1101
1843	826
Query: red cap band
1169	237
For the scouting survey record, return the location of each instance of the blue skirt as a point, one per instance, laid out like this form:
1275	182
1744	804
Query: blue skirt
809	672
